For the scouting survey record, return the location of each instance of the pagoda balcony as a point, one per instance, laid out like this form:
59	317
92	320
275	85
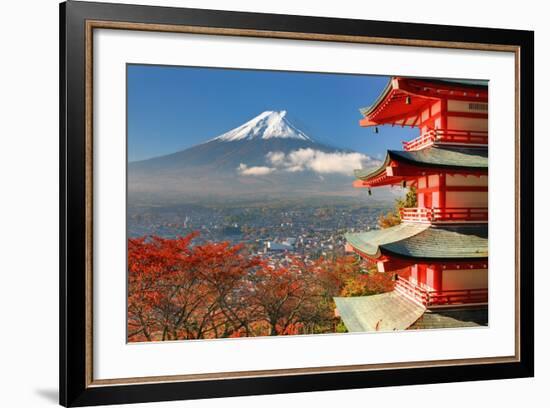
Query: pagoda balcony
447	136
444	215
430	298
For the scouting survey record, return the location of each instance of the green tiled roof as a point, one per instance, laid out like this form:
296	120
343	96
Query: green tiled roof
454	317
364	174
369	242
366	110
385	312
445	156
393	311
441	157
471	83
424	241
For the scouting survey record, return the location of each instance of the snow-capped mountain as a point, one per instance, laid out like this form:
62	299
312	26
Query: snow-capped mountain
267	125
266	156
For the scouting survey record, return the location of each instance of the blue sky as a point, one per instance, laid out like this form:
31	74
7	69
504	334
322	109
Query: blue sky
172	108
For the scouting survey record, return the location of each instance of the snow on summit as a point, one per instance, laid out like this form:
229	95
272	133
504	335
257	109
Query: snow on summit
267	125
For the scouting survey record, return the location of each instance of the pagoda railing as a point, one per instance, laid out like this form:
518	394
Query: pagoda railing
447	136
440	297
458	214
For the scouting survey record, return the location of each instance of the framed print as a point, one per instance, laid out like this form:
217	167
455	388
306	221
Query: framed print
255	203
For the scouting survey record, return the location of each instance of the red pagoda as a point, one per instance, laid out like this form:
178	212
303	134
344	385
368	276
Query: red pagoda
439	251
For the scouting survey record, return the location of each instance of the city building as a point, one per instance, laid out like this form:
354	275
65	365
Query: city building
439	251
278	246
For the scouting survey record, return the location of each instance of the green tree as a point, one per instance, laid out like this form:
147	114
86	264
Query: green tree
393	217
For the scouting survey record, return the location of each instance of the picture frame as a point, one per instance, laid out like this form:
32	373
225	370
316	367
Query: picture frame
79	21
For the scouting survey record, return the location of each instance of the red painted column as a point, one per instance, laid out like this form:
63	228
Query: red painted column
437	277
442	190
421	274
444	114
414	273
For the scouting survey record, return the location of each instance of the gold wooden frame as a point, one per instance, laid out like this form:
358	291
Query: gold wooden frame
98	24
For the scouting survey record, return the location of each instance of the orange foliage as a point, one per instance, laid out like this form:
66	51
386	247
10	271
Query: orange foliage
175	291
180	291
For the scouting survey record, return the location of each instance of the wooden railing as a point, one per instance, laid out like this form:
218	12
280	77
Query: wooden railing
457	214
414	292
448	136
440	297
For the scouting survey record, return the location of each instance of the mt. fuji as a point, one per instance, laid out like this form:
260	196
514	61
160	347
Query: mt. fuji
267	125
264	157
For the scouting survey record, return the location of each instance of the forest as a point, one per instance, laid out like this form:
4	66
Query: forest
179	291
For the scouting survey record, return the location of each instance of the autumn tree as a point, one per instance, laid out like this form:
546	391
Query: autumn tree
351	276
226	271
177	290
292	298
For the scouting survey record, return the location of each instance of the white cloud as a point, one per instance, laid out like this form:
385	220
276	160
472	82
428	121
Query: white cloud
275	158
244	170
309	159
319	161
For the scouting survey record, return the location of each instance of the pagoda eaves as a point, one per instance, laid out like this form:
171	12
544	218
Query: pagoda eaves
399	166
420	101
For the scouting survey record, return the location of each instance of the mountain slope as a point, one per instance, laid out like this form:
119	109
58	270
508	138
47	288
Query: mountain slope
266	156
223	155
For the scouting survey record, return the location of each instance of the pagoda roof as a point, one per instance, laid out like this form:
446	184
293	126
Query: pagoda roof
368	109
390	106
384	312
480	84
465	316
424	241
444	158
393	311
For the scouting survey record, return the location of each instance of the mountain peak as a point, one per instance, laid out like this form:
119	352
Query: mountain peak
267	125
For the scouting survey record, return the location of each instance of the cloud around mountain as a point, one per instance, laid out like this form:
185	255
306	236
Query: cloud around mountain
308	159
254	170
